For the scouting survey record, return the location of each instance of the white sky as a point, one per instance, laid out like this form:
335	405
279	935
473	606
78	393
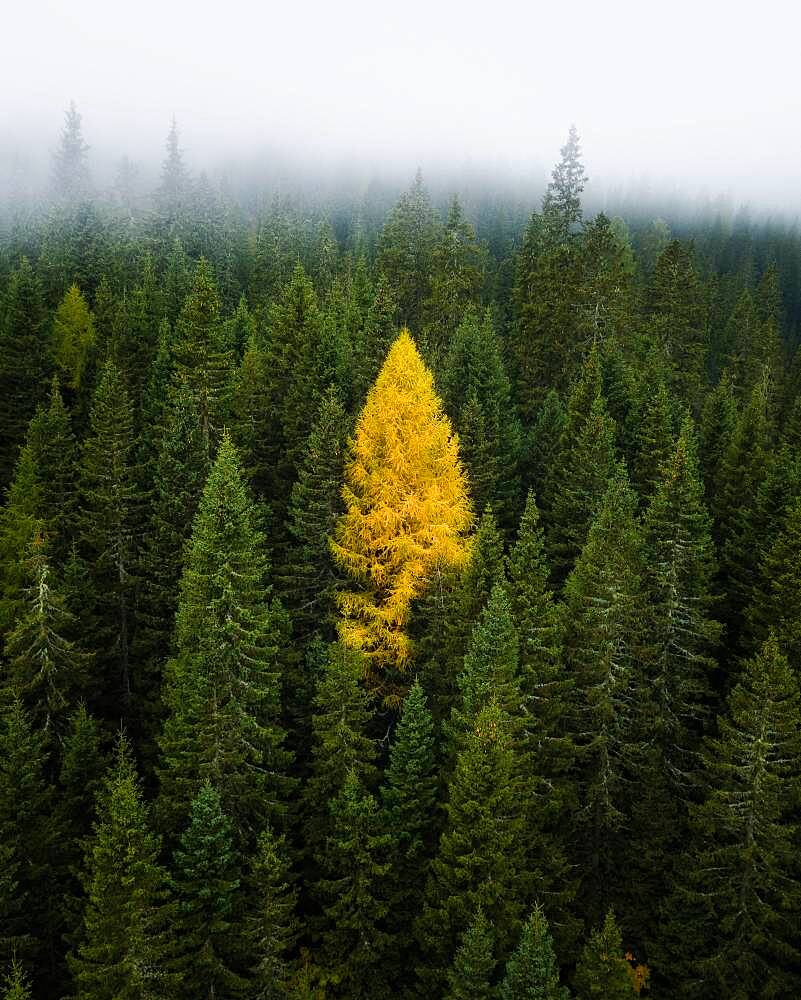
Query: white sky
706	94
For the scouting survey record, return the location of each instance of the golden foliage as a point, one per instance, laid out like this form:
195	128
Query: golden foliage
407	510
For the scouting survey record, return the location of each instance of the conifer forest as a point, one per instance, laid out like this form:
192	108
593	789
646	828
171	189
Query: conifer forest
400	592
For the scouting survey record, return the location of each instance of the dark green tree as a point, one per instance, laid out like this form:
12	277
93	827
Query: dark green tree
477	452
546	338
25	362
408	799
548	329
123	950
540	446
743	470
174	189
254	418
678	319
22	532
654	438
222	686
239	328
546	690
309	579
480	860
110	527
539	629
754	346
180	471
153	399
139	329
604	605
353	942
776	603
681	631
177	280
277	250
532	972
16	986
29	904
307	353
271	926
476	387
607	299
676	693
206	889
373	334
451	610
470	975
457	277
602	971
340	741
716	427
735	919
39	512
490	670
406	252
83	766
45	667
203	360
52	444
580	476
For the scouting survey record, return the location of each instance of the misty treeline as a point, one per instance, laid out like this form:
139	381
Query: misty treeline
396	602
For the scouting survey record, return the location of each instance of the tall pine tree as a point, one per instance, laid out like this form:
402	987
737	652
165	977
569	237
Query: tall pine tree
222	687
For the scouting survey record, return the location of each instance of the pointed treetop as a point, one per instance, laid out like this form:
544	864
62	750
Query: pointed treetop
408	510
71	180
16	985
174	175
561	205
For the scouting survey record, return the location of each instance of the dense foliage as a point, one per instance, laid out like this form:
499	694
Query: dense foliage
396	601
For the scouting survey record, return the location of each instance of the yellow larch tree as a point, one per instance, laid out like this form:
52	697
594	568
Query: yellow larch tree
408	513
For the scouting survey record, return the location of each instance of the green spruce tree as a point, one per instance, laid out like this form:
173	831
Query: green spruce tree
734	921
353	941
602	971
222	687
470	975
16	986
481	856
532	972
29	905
457	276
203	361
205	887
579	479
45	667
475	384
604	604
123	951
408	799
271	924
181	467
340	741
109	530
309	579
25	362
406	251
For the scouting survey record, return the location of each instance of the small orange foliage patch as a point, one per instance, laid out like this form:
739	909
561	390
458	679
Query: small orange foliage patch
638	973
